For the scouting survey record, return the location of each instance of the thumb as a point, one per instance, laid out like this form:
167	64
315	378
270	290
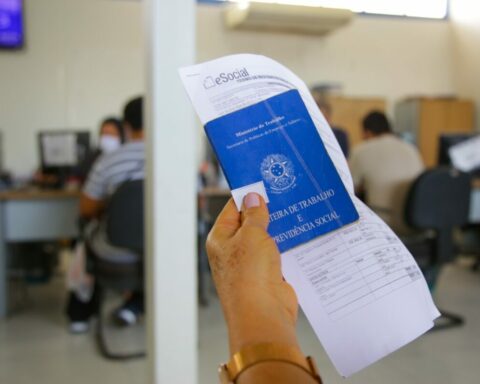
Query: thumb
255	211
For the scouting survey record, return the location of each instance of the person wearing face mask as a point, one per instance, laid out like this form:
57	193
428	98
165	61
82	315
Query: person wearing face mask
111	137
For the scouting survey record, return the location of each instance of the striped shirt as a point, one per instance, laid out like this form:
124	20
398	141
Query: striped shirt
112	169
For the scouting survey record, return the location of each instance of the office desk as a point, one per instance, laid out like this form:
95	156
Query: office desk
33	215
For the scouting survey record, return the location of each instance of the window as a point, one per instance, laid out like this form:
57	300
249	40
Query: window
436	9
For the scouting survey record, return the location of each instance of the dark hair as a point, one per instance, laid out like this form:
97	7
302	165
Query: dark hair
377	123
133	113
117	123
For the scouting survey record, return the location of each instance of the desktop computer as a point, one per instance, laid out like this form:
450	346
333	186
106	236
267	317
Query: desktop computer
62	152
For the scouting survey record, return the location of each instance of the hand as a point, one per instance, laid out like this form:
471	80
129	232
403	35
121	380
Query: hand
258	304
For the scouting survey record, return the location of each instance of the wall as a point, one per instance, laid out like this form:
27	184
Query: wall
466	33
373	56
82	61
85	58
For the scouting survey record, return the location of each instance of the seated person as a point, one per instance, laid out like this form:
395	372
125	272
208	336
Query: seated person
82	300
108	172
383	168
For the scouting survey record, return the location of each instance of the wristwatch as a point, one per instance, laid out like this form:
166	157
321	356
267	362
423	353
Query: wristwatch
251	355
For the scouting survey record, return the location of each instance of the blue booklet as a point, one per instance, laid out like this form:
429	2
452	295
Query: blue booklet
276	142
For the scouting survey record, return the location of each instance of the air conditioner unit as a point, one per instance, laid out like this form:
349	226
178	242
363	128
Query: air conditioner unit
286	18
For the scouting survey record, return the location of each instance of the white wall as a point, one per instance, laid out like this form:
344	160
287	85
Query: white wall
373	56
82	61
466	31
84	58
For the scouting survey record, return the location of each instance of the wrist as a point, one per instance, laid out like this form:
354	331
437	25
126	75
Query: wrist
268	363
258	320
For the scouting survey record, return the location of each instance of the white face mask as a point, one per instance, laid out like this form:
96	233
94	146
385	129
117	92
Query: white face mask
109	143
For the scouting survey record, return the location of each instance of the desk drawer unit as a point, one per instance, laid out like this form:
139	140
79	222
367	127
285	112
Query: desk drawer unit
42	219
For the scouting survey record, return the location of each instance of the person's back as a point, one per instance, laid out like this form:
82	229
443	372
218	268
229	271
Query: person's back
114	168
384	168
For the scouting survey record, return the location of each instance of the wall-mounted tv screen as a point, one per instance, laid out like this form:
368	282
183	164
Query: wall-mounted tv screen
11	24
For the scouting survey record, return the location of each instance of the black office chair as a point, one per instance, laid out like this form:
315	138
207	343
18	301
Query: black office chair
437	203
125	229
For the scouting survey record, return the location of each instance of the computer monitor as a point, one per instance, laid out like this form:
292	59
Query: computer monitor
61	152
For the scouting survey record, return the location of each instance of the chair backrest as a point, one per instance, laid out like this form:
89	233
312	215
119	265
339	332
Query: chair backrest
125	216
439	199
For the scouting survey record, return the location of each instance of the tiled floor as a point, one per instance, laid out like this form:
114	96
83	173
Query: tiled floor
35	348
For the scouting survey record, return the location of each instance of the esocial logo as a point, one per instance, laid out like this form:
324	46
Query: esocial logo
225	77
208	82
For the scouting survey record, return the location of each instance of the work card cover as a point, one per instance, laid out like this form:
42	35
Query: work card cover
276	142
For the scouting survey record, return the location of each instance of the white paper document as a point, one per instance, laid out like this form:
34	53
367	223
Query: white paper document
359	287
466	155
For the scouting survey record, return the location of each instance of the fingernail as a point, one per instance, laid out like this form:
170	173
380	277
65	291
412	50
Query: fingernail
252	200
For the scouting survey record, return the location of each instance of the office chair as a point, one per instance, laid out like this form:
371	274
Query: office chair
437	203
125	229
